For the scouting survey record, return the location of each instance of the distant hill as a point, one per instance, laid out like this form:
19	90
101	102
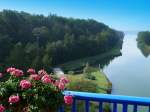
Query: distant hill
40	41
144	42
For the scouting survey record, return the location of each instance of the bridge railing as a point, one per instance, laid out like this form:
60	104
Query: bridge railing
125	101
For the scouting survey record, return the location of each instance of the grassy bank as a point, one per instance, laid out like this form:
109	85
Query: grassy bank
80	63
100	84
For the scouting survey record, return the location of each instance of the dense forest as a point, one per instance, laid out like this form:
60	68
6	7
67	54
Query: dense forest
38	41
144	42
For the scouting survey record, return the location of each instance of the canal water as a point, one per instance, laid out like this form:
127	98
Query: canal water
130	73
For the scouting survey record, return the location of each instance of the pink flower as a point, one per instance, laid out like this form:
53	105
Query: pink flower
17	73
42	72
64	80
25	84
46	80
35	77
61	86
56	83
1	75
2	108
31	71
14	99
11	69
68	99
46	76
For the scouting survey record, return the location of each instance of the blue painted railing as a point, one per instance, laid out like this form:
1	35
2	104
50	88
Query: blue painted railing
125	101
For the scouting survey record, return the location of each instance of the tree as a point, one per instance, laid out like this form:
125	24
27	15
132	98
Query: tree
52	40
47	61
16	57
5	46
41	34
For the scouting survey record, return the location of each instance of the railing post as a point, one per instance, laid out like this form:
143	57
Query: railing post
100	107
125	107
135	108
74	105
87	106
62	109
115	107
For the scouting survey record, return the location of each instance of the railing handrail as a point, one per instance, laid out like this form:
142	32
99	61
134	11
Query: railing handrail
144	101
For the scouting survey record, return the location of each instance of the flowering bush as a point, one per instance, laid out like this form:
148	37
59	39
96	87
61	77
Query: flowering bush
37	92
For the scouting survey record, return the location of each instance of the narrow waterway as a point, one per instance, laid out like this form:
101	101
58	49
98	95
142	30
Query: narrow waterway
130	73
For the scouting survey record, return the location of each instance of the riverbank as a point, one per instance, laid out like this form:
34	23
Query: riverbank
93	60
101	81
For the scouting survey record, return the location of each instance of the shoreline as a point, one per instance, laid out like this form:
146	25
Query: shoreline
80	63
109	89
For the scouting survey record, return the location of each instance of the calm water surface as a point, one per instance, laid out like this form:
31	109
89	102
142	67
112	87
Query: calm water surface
130	73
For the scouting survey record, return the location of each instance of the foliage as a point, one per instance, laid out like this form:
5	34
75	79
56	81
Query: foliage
71	72
144	42
33	93
52	39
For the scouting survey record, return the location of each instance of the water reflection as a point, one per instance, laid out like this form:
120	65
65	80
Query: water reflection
130	73
107	60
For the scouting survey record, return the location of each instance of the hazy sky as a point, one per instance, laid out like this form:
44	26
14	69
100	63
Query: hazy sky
120	14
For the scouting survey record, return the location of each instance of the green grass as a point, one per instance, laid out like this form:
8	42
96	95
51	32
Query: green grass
80	63
101	80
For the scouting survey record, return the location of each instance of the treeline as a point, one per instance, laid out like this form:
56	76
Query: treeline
143	42
28	40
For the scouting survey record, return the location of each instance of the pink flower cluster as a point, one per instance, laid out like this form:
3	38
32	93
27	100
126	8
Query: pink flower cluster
1	75
2	108
46	79
68	99
31	71
61	86
42	76
14	99
11	69
62	82
42	72
35	77
15	72
25	84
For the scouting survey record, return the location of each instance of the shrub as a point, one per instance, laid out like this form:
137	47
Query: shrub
87	71
35	93
91	77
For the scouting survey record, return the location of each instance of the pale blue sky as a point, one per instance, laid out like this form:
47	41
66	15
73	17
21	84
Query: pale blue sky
119	14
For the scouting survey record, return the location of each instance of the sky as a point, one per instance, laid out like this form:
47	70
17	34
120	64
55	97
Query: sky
126	15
